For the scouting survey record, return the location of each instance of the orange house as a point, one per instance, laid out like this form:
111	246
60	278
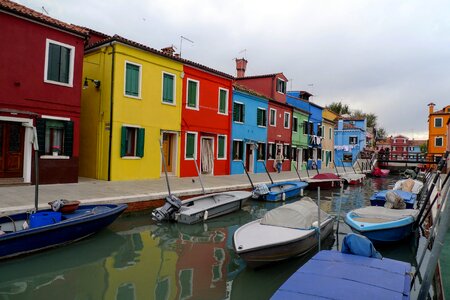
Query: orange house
437	130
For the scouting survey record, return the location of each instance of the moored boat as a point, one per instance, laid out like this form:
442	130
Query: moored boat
279	191
379	198
201	208
416	187
353	178
24	233
377	172
325	181
284	232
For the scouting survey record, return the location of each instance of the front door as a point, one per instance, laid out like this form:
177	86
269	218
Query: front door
167	150
11	149
249	157
207	156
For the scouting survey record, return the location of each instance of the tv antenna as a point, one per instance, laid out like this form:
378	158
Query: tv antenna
181	42
243	51
290	81
44	10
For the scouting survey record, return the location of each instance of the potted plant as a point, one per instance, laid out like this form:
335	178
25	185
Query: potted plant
56	150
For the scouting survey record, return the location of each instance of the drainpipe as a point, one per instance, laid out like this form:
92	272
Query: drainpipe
111	103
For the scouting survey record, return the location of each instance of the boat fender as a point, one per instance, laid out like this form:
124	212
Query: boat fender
25	225
301	192
2	232
205	215
283	196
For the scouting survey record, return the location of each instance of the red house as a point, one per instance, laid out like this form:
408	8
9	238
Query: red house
205	121
279	132
399	147
41	65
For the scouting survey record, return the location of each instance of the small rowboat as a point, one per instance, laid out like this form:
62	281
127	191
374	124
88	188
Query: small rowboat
353	179
325	181
377	172
279	191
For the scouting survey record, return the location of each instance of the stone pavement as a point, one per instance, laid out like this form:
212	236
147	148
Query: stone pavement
89	191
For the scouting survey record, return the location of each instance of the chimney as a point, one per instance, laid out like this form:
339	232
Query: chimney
168	50
431	107
241	66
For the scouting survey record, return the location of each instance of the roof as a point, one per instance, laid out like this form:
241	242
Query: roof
306	101
258	76
249	91
351	119
418	142
119	39
349	127
28	13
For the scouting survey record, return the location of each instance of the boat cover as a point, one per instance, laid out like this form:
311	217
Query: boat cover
301	214
385	213
402	185
359	245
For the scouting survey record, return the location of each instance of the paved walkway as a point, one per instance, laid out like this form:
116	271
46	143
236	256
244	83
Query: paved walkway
90	191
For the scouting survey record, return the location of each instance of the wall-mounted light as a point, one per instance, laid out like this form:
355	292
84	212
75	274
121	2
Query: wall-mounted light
86	85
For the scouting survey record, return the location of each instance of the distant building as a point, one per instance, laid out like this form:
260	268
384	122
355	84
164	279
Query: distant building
349	140
437	131
415	150
399	147
329	122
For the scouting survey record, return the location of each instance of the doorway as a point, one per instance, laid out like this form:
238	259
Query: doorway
207	155
249	157
169	150
12	136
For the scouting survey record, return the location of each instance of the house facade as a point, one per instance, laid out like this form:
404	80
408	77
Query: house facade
329	122
134	115
41	68
249	131
416	149
205	122
437	131
349	141
399	147
299	138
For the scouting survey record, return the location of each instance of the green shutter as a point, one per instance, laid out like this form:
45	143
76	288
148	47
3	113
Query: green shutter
54	58
168	88
192	94
132	80
221	147
123	142
235	112
40	128
68	138
258	117
64	65
190	145
140	142
243	113
223	101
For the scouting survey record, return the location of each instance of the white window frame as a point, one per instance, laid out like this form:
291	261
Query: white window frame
226	102
71	64
264	109
224	146
125	80
135	141
285	86
441	123
353	136
289	120
442	141
330	133
275	118
269	145
195	144
174	88
294	129
243	149
197	93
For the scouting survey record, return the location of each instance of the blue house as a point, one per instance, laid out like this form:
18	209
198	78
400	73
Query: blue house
349	140
313	128
248	131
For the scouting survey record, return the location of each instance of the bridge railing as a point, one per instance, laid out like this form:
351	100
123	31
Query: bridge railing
413	158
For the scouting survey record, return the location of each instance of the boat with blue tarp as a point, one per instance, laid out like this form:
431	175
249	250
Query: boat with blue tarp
379	198
279	191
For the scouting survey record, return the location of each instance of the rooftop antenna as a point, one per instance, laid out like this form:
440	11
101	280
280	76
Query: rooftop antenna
243	51
44	10
290	81
181	42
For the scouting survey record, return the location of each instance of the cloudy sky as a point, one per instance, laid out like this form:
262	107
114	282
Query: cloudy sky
390	58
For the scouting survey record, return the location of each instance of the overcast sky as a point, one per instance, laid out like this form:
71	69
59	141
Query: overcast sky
386	57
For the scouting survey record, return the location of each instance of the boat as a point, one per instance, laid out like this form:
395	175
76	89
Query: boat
325	181
284	232
200	208
377	172
379	198
25	233
279	191
357	272
404	185
381	224
353	178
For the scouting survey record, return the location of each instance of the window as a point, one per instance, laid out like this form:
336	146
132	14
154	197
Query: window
305	155
221	146
168	88
287	151
394	148
238	150
186	283
294	153
319	154
223	101
261	118
126	291
271	150
239	112
295	124
132	80
281	86
191	145
319	130
261	151
55	137
353	140
287	122
192	94
59	61
438	141
347	157
305	127
438	122
273	117
132	142
330	133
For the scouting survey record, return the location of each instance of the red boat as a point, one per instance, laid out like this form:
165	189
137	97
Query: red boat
325	181
353	179
377	172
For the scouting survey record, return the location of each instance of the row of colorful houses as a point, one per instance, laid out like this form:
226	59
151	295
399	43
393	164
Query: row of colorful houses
109	108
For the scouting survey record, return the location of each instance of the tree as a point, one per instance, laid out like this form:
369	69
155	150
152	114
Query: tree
381	133
339	108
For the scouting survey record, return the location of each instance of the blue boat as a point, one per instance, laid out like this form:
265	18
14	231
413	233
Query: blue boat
379	198
382	225
279	191
362	274
25	233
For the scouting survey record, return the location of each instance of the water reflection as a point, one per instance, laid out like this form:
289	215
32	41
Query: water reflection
138	259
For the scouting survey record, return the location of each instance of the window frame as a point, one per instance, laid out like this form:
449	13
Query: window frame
271	147
289	120
224	147
139	96
197	94
174	103
330	133
274	119
295	124
226	101
436	139
441	120
353	137
283	91
241	150
71	62
136	138
194	155
242	112
263	146
264	121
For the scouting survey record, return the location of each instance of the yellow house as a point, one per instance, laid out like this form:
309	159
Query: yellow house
131	104
328	123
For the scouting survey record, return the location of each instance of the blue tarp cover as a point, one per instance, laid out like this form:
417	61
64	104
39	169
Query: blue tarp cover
359	245
407	196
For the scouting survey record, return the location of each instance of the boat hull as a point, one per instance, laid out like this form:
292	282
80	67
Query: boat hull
72	229
273	253
324	184
286	190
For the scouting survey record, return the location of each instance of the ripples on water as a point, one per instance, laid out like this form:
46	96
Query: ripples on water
138	259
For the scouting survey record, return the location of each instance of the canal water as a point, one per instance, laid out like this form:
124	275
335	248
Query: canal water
136	258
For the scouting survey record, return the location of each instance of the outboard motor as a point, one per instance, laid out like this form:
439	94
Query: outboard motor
167	211
260	190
